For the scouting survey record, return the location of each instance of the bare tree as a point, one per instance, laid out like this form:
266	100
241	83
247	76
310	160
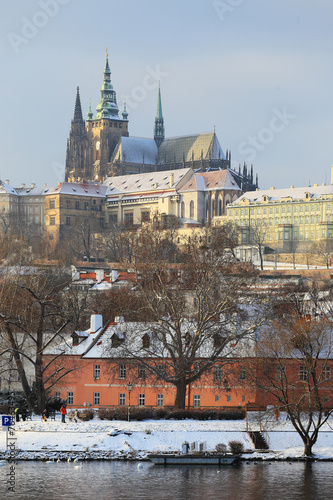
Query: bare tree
324	249
293	366
194	308
33	315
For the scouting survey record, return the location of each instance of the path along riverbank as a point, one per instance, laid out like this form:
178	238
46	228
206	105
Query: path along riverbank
119	440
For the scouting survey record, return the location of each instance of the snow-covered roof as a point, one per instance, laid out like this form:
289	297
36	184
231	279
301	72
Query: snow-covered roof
211	181
144	183
298	193
79	189
33	191
6	188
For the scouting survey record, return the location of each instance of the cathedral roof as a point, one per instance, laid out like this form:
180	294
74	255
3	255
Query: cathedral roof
190	147
135	150
211	181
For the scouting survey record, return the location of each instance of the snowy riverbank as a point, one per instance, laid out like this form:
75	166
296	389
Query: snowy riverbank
96	439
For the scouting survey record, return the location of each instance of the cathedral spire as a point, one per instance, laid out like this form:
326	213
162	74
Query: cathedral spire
159	122
107	108
78	110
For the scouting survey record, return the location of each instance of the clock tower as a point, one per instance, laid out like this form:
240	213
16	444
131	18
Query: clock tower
91	144
106	128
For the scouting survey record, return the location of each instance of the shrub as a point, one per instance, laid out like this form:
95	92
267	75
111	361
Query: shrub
148	431
221	448
236	447
86	415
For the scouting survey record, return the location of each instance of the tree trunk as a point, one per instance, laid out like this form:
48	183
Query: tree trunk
308	449
180	394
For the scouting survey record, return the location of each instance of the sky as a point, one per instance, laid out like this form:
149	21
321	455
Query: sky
259	71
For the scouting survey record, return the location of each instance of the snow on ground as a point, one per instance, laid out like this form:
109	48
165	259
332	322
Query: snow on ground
141	438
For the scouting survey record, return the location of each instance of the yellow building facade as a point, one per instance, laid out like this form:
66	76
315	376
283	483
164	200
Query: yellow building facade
288	219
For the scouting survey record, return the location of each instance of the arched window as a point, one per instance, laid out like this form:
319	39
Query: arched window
182	210
192	209
220	207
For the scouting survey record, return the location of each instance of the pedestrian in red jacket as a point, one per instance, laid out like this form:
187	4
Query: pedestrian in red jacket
63	412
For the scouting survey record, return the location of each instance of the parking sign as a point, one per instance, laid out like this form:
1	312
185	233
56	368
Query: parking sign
6	420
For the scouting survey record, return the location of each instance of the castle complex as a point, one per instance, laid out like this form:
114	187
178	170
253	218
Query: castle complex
101	147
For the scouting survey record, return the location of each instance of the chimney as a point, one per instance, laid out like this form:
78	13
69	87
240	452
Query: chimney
114	275
331	174
45	184
272	188
22	185
171	179
96	323
33	184
99	275
291	187
7	181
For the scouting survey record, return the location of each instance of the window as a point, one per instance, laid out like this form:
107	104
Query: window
303	373
129	218
228	398
122	371
77	205
146	341
326	372
142	372
159	400
52	204
68	203
281	372
70	398
52	221
68	221
141	399
243	398
191	209
97	372
182	210
145	216
242	373
57	394
217	397
121	399
161	372
96	398
113	218
217	373
196	400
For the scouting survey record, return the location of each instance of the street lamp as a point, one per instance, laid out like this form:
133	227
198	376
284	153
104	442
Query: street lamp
129	388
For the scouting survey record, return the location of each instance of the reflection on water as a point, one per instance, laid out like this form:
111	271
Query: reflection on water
131	480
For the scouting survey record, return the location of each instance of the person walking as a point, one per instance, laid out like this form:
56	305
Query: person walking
63	412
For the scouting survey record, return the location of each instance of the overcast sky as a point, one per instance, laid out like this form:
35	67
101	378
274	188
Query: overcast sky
260	71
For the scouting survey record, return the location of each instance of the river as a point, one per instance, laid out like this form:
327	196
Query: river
142	480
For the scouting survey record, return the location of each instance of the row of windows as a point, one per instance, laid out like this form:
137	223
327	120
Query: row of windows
161	372
141	399
111	124
271	210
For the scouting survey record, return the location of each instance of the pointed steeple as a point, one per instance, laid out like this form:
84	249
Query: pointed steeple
78	110
108	96
124	113
90	113
159	122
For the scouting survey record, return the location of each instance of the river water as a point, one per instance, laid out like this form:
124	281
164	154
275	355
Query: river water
142	480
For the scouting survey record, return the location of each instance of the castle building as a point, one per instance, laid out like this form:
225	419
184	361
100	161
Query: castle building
71	207
101	147
286	219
